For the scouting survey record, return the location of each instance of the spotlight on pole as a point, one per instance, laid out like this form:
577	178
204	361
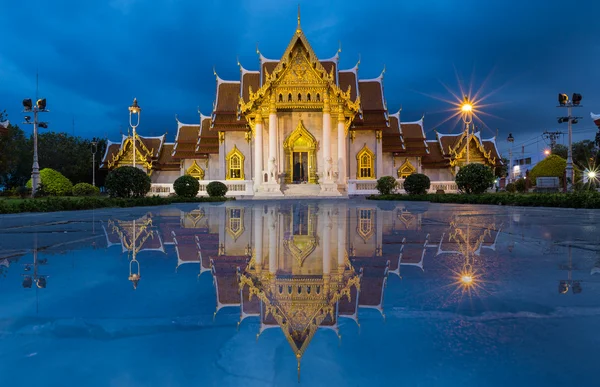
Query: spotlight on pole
27	104
41	103
27	119
576	99
43	125
563	99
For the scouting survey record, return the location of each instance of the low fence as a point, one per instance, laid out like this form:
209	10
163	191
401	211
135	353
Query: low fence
234	188
368	187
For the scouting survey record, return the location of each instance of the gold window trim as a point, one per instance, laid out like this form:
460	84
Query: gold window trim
195	171
365	225
235	224
231	156
365	151
406	169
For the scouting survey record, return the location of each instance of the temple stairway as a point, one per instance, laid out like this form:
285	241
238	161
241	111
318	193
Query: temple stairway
291	191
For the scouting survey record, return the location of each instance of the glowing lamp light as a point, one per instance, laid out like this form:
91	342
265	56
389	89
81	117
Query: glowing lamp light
546	152
467	106
592	174
466	279
135	108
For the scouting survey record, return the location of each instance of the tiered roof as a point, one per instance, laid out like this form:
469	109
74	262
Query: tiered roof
596	119
448	148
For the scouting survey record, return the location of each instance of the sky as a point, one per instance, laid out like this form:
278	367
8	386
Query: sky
93	57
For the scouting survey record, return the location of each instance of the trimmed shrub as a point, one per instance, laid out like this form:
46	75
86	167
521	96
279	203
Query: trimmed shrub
126	182
474	178
417	184
216	189
521	185
23	192
386	185
551	166
186	186
85	189
53	182
510	187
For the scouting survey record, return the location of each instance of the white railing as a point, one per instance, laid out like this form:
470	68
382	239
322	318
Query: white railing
161	189
367	187
234	188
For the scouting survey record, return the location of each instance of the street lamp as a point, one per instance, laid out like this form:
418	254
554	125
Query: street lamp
563	102
40	107
134	110
467	116
510	139
94	146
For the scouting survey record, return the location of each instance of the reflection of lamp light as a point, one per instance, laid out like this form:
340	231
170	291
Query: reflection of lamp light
563	287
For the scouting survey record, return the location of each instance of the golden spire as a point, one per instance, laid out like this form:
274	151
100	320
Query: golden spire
298	29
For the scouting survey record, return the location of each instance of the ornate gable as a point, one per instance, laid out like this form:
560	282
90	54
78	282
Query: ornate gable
125	155
477	151
299	81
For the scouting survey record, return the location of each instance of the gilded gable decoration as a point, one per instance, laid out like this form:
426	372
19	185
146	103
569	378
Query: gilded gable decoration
406	169
195	171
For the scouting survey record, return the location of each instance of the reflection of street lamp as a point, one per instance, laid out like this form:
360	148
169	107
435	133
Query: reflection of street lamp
94	144
563	101
467	116
40	107
510	139
133	110
564	285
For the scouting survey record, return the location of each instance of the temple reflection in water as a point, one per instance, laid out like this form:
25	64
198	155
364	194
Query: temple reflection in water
304	266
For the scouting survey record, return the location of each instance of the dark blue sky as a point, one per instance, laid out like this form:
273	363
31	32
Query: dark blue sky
94	57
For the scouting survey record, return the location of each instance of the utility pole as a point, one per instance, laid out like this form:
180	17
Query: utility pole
552	136
563	101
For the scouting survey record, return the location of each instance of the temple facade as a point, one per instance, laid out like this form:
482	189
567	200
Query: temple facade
300	126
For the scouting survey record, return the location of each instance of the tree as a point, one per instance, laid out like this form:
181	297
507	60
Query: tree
585	153
502	170
560	150
474	178
16	157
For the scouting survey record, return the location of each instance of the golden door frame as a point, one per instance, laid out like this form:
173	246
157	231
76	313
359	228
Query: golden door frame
300	140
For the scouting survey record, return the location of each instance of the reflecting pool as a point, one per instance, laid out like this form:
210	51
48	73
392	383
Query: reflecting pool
335	293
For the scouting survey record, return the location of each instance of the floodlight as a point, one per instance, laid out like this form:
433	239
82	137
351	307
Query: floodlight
43	125
563	99
576	99
41	103
27	104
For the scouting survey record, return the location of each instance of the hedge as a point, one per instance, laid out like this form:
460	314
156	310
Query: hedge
51	204
582	199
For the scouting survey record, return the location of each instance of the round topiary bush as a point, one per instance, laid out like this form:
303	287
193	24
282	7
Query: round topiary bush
386	185
54	183
126	182
521	185
510	187
186	186
475	178
551	166
216	189
417	184
85	189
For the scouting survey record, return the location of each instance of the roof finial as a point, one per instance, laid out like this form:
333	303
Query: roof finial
339	46
298	29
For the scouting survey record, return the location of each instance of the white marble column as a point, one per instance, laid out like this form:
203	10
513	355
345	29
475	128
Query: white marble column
419	165
273	162
326	242
379	156
272	240
341	146
258	152
326	141
341	235
258	236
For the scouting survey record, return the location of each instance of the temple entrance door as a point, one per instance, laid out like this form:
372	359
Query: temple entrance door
300	167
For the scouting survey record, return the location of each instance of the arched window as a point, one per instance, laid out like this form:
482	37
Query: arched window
195	171
280	97
235	222
365	164
290	97
318	97
308	97
235	165
299	97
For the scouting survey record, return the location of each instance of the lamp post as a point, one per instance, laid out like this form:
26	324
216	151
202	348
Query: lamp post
563	102
40	107
94	145
510	139
134	110
467	116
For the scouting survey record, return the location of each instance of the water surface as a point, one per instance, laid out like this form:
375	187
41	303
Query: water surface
349	293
